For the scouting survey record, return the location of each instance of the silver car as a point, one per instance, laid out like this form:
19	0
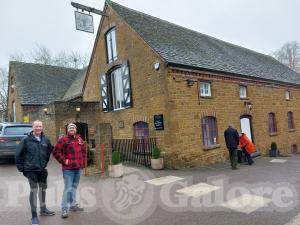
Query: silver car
11	135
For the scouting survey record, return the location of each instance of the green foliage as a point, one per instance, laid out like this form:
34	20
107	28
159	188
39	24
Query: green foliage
115	158
155	153
273	146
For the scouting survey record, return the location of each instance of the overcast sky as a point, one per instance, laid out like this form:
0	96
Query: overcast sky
260	25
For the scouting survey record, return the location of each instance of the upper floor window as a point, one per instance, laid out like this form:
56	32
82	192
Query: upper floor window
291	124
287	95
209	130
272	123
243	91
205	88
111	45
115	89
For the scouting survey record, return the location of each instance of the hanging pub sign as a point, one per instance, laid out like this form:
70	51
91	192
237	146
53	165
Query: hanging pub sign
84	22
159	122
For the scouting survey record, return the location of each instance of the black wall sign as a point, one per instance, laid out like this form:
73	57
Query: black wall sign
159	122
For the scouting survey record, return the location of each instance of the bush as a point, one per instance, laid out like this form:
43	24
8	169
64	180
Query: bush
156	153
115	158
273	146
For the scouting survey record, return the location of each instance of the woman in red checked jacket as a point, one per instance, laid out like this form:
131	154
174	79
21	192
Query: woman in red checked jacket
247	146
70	152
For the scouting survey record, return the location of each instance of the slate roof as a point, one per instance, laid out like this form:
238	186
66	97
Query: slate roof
184	47
76	88
39	84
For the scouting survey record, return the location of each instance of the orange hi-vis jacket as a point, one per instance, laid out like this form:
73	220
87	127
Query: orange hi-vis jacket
247	144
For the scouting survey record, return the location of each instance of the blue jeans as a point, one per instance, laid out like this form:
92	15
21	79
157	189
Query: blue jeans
71	181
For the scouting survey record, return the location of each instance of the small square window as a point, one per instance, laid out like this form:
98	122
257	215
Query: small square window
205	89
287	95
243	92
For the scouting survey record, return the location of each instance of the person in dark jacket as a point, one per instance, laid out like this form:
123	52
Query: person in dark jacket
32	157
70	152
232	141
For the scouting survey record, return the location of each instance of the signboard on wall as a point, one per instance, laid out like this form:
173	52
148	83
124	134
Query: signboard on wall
159	122
84	22
25	119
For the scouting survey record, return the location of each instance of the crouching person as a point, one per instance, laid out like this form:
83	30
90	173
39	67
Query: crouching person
32	157
70	153
247	147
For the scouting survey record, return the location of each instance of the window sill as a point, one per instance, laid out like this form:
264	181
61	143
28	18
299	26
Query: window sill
208	97
292	130
210	147
244	98
273	134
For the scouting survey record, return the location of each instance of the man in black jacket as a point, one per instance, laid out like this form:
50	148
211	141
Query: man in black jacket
232	141
32	157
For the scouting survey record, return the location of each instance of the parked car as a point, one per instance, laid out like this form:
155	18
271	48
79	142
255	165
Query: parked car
11	135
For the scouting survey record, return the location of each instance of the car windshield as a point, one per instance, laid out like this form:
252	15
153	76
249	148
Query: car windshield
17	130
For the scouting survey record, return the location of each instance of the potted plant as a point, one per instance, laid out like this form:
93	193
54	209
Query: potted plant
157	162
116	168
274	152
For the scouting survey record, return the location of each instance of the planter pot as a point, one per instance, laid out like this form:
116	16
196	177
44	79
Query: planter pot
116	170
274	153
157	164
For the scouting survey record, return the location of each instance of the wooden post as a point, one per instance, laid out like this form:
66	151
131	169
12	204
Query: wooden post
102	160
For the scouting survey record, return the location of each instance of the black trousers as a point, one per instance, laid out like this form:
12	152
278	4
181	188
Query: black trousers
233	157
38	185
248	156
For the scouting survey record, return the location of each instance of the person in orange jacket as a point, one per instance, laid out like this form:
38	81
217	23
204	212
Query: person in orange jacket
247	146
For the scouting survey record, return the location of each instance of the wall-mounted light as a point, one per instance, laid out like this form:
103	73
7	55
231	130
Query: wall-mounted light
77	109
156	66
189	82
45	109
249	105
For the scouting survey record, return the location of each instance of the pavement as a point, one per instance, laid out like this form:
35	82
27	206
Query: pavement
266	193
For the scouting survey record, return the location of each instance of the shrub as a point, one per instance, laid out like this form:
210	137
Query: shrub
156	153
273	146
115	158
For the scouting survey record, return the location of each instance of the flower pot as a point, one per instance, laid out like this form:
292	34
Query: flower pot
116	170
157	164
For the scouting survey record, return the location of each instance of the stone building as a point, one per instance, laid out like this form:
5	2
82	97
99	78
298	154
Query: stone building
158	79
151	78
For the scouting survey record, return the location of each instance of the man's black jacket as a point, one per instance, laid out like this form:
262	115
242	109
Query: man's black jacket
231	137
33	155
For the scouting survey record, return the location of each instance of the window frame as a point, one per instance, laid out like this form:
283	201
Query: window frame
110	57
209	126
204	82
291	123
272	124
113	90
246	91
287	95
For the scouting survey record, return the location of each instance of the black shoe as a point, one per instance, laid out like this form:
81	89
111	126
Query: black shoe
64	214
234	168
46	212
76	208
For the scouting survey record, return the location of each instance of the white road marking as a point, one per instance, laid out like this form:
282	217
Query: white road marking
198	190
164	180
246	203
278	161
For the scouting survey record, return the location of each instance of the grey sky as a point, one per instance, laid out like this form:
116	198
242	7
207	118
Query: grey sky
260	25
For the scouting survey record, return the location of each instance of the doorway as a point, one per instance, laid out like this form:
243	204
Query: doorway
246	126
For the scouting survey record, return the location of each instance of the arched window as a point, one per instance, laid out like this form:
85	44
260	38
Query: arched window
111	45
272	123
209	130
141	130
291	124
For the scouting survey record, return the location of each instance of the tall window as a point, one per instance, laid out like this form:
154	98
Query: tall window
111	45
243	92
291	124
205	88
14	119
272	123
209	130
287	95
115	88
141	130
